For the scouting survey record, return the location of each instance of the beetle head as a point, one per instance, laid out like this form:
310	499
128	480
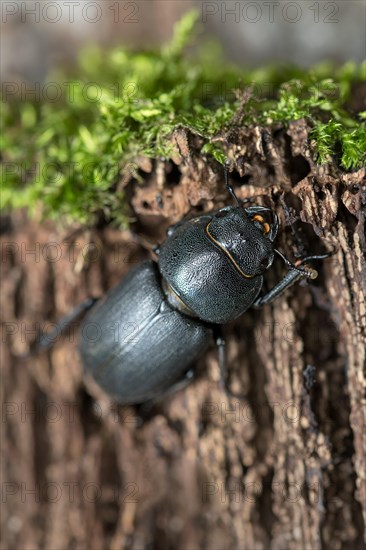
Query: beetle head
265	219
246	236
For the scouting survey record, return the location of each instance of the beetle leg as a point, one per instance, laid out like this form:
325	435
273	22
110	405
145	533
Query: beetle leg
227	166
180	385
291	277
221	351
47	340
145	408
294	274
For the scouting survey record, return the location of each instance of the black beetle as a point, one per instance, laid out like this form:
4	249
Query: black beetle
209	272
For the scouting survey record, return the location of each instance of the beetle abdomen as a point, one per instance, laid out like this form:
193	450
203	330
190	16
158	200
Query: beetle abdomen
135	344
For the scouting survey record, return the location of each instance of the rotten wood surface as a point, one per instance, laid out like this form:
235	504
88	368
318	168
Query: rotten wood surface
283	467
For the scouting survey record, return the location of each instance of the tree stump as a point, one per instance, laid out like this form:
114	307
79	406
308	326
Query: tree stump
283	467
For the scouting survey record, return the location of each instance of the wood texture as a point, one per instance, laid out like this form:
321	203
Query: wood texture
282	468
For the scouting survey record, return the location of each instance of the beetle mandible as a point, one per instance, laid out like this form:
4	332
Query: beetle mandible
209	272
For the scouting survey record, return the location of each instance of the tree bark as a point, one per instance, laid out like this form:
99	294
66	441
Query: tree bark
283	467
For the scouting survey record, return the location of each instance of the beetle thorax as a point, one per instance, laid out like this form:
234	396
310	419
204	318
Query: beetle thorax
212	265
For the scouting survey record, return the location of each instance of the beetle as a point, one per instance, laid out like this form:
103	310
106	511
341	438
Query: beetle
209	272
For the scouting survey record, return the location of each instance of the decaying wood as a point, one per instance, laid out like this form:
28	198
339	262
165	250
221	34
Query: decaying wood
282	468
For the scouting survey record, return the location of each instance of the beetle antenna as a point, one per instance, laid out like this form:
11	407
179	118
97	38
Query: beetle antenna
227	184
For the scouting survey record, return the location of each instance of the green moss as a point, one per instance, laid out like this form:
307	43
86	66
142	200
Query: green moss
66	158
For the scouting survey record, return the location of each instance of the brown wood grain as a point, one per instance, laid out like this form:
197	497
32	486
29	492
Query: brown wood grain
282	468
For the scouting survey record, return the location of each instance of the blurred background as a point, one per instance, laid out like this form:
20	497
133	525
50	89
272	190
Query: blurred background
39	36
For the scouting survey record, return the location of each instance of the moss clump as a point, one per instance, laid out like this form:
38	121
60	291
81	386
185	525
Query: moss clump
67	157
